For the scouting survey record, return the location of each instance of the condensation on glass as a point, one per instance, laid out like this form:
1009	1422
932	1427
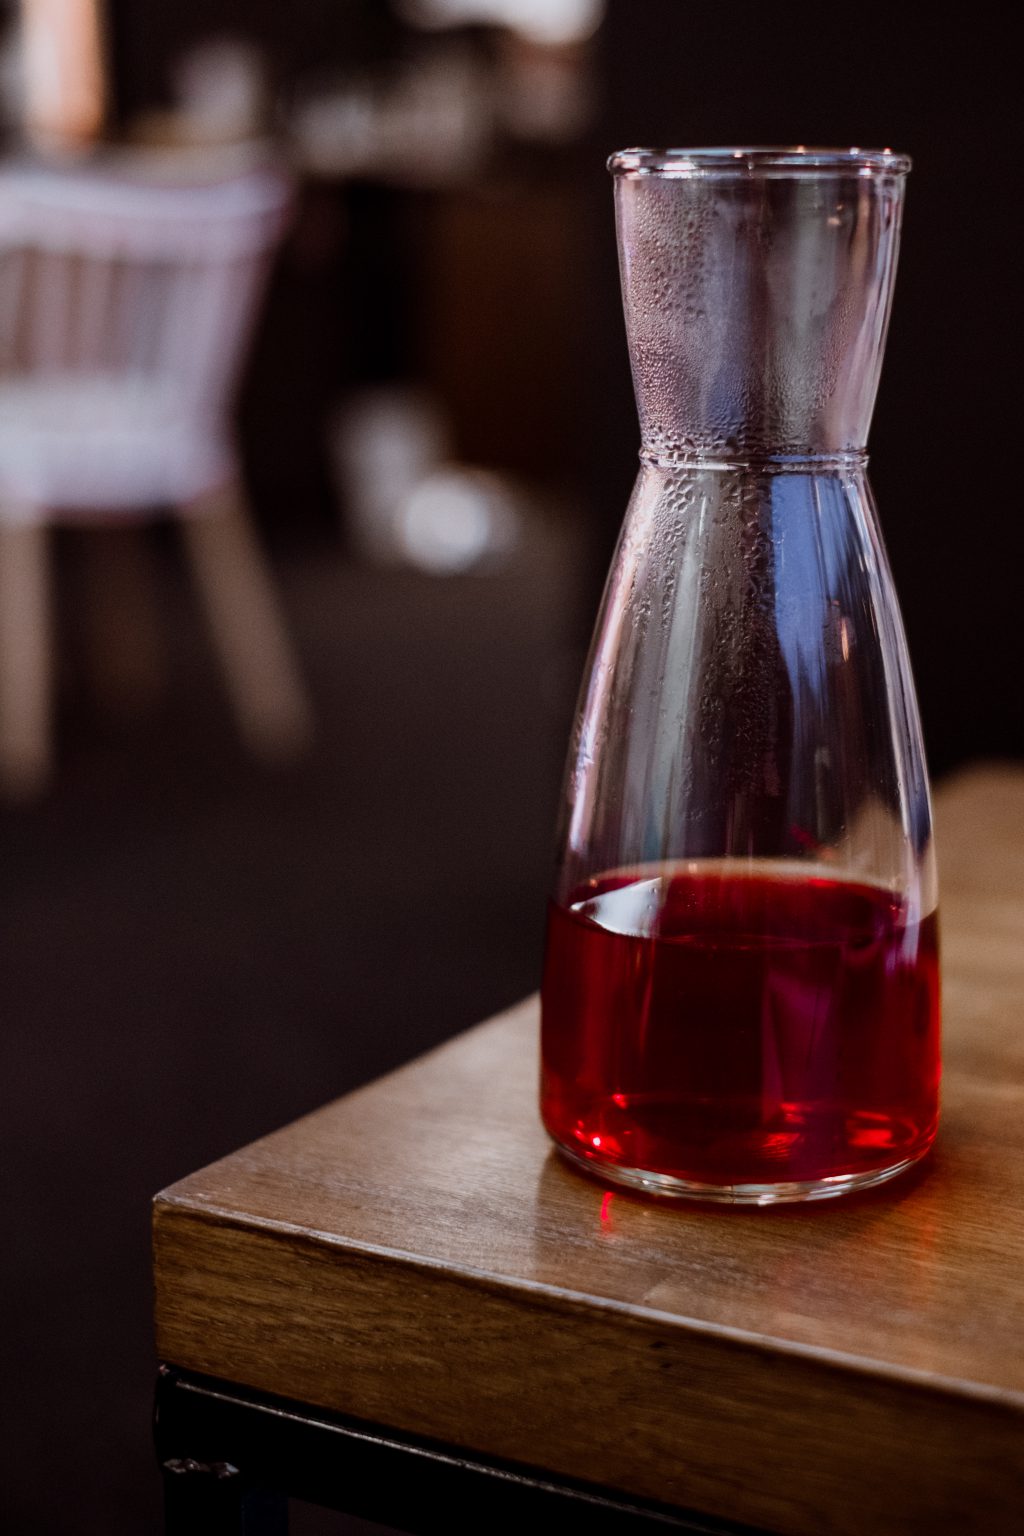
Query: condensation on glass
740	996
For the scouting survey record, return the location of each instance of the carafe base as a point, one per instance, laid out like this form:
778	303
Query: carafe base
666	1186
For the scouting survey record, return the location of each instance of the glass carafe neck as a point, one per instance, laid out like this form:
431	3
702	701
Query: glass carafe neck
757	286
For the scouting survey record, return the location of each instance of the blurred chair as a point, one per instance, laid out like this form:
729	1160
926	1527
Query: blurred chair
125	307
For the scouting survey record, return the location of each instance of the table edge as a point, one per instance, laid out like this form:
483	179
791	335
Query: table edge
171	1207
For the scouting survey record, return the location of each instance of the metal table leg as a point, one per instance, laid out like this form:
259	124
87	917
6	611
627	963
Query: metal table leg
213	1499
232	1457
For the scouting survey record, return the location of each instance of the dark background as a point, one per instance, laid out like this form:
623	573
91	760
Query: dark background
193	950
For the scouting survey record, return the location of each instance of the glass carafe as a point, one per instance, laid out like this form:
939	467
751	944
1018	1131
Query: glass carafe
740	995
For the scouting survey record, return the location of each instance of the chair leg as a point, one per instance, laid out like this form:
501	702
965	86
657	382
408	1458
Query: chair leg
25	660
248	630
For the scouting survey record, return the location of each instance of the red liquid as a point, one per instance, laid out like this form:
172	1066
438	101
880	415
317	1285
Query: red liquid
731	1029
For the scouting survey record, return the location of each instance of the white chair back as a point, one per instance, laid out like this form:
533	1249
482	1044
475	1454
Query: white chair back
105	276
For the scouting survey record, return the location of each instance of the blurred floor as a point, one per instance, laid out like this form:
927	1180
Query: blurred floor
195	951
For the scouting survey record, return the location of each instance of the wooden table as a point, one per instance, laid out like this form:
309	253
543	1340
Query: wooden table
414	1276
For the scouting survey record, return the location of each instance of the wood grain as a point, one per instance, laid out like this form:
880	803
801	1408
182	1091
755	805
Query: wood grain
414	1254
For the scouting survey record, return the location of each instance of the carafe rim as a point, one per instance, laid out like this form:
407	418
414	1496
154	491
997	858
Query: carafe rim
740	162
